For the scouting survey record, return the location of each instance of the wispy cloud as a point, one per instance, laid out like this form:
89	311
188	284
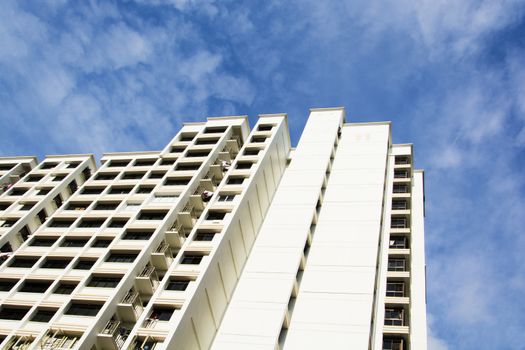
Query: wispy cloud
450	75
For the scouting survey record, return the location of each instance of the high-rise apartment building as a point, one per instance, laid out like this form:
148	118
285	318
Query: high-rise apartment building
226	239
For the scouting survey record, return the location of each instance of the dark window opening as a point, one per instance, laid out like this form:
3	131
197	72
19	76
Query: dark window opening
61	222
192	259
43	315
137	235
84	264
177	284
117	223
120	190
83	309
145	189
74	242
13	313
43	242
33	286
133	176
118	163
102	242
55	263
65	288
187	166
48	165
92	223
215	215
144	162
215	129
24	262
106	205
104	281
106	176
122	257
180	181
152	215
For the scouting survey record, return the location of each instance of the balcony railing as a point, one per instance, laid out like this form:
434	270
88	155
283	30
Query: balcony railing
114	329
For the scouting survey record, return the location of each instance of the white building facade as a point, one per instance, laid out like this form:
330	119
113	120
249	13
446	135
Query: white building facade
228	238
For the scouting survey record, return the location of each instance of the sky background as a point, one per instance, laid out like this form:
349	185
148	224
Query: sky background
94	77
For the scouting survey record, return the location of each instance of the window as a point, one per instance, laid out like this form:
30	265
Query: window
106	205
104	281
42	215
214	129
226	197
65	288
8	222
191	154
244	165
399	205
122	257
73	187
35	286
42	242
61	222
177	284
396	264
4	167
401	174
55	263
215	215
188	166
177	149
251	151
43	315
118	163
58	201
81	309
265	127
34	178
92	190
84	264
152	215
178	181
13	313
18	191
258	139
395	289
24	262
48	165
167	161
133	176
120	189
24	233
186	137
400	189
234	180
118	223
191	259
72	165
5	205
156	174
398	242
145	189
402	160
137	235
102	242
106	176
59	177
393	344
394	317
6	285
202	141
397	222
27	206
74	242
77	206
87	173
204	236
161	313
91	223
43	191
144	162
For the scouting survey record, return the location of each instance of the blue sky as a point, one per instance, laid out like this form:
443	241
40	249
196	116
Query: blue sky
90	76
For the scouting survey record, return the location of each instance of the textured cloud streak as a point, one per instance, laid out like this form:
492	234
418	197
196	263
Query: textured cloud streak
106	76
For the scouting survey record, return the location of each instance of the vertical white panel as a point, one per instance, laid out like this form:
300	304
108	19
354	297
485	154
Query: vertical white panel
335	300
257	309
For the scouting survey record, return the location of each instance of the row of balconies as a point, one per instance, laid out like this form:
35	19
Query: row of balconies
397	301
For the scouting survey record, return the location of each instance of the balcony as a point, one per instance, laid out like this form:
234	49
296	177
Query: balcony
145	343
176	235
113	335
232	146
130	307
57	340
161	258
147	281
188	215
19	343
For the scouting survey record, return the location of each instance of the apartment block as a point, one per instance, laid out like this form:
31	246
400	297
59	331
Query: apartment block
228	238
